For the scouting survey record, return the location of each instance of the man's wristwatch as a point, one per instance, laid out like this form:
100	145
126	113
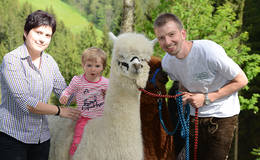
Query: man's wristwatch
207	100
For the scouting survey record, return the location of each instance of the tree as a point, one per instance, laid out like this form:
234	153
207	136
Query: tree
128	16
251	23
64	50
12	22
106	45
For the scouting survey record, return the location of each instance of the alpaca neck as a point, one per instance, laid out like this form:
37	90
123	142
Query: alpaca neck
122	101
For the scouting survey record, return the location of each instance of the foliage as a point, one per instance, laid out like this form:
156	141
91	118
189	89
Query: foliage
256	152
101	12
64	12
252	24
9	26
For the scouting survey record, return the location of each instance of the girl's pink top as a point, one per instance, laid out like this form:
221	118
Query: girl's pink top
89	95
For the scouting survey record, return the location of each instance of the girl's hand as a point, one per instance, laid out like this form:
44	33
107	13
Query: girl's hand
64	100
103	92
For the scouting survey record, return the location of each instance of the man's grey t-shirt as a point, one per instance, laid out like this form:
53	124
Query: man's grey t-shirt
206	69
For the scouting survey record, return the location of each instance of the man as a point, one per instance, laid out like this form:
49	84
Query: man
211	80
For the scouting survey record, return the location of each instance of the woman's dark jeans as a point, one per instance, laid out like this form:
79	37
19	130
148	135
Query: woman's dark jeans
12	149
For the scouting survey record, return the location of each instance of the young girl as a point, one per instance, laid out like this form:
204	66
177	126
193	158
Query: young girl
89	89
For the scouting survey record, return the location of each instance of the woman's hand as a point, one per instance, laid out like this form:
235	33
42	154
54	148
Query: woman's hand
69	112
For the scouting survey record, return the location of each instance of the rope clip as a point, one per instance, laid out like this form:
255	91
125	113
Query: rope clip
159	100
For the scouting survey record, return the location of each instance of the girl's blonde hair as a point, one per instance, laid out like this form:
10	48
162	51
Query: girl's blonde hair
92	53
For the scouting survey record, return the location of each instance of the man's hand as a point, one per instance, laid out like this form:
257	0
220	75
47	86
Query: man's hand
196	99
185	98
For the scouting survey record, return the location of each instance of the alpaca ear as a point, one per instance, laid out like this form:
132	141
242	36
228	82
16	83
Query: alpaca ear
154	41
112	36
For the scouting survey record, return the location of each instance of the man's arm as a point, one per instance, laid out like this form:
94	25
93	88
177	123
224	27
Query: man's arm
235	85
197	99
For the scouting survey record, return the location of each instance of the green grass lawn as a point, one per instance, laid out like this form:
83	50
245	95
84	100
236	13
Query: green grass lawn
69	15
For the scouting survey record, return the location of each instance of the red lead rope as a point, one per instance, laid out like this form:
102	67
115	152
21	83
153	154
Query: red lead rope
196	134
160	95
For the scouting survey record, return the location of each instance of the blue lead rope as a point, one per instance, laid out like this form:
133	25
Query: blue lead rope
153	80
181	120
162	122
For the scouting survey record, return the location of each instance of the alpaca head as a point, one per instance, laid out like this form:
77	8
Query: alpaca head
156	84
157	77
131	53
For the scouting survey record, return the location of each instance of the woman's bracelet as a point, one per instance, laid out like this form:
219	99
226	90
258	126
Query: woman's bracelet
58	113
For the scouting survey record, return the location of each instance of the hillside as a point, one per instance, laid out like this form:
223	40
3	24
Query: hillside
69	15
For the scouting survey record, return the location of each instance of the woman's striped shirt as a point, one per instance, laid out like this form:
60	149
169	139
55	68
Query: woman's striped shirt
22	85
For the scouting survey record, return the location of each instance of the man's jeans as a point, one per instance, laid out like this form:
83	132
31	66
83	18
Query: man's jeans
215	137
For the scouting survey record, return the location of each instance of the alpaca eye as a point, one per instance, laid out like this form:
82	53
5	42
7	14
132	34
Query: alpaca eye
145	60
121	57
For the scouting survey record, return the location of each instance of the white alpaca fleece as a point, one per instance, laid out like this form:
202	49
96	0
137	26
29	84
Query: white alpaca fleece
117	134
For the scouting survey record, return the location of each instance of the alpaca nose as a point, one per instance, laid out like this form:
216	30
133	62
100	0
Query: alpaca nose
137	66
136	63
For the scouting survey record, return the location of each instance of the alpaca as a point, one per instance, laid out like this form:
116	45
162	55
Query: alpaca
117	134
157	144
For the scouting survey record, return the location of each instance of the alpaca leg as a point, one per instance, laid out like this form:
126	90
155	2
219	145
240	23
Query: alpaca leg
61	130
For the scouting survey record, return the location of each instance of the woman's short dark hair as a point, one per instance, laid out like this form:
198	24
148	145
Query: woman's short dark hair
37	19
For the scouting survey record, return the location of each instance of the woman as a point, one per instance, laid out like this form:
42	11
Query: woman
28	76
